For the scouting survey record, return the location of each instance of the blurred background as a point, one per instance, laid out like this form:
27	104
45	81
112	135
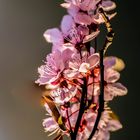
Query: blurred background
22	49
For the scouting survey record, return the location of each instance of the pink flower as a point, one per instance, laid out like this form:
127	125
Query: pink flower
77	10
108	5
76	34
71	8
112	88
63	95
50	124
56	62
69	32
84	65
82	18
89	119
79	35
85	5
56	36
91	62
86	124
72	71
107	124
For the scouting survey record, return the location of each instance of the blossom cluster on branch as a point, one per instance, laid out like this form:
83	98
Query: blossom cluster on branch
80	78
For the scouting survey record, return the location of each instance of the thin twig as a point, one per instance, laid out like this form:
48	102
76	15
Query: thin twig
110	32
101	96
71	132
108	42
82	108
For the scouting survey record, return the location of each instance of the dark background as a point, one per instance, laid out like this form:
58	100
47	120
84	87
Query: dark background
22	49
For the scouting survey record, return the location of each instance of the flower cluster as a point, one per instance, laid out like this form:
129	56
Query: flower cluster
81	82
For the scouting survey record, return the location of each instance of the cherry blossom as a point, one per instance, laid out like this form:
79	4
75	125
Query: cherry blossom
63	95
56	62
78	76
111	76
86	12
78	66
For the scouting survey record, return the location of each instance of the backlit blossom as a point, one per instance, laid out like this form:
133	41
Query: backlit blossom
56	35
84	65
112	87
79	78
63	95
56	62
86	12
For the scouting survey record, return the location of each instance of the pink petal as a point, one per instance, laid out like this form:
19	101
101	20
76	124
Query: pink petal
66	54
71	73
108	5
48	109
83	19
84	67
68	46
64	95
55	80
42	81
56	47
66	24
58	61
93	60
53	36
103	135
114	125
87	5
113	90
111	75
83	30
72	9
119	89
109	61
50	124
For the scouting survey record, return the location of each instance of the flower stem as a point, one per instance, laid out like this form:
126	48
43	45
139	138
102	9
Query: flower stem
82	108
71	132
101	96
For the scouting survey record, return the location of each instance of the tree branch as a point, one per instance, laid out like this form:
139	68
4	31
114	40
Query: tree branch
82	108
101	96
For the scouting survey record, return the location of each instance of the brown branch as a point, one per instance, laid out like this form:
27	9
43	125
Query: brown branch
110	32
101	96
108	42
82	108
71	132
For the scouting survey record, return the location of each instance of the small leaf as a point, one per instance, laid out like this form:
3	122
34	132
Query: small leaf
59	137
113	116
55	112
52	106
